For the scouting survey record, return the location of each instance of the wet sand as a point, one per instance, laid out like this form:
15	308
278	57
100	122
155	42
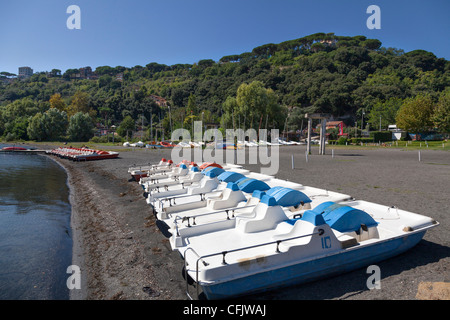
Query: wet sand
124	255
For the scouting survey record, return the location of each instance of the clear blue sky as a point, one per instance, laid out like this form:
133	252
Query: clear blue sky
117	32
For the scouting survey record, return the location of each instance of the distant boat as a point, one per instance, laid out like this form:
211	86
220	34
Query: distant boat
153	144
83	154
13	148
138	144
167	144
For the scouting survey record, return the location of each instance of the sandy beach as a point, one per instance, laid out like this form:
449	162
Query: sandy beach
124	255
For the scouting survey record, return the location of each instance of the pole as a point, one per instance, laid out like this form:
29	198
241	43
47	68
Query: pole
308	146
321	137
292	160
362	122
324	137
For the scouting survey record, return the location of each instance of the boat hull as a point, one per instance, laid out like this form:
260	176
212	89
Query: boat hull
340	262
137	177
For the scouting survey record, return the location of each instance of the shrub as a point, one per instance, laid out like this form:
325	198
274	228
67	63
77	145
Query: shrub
342	141
80	127
359	140
382	136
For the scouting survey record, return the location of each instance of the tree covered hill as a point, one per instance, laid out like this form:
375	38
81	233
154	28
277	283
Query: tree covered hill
340	75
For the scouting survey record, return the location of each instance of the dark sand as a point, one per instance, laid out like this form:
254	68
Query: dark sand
124	255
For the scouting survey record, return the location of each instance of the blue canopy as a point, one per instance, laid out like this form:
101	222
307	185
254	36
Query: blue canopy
270	201
230	176
233	186
314	217
344	218
183	166
258	194
209	168
195	169
287	197
249	185
274	190
213	172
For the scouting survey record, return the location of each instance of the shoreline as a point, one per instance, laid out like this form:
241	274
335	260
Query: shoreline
123	254
98	242
77	247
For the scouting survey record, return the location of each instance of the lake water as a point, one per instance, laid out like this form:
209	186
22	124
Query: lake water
35	234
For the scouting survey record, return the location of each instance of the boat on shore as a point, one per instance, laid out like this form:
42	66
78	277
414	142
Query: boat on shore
243	235
143	171
82	154
251	255
166	144
14	149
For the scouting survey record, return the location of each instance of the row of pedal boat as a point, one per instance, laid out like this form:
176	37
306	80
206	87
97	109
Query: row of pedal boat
241	232
82	154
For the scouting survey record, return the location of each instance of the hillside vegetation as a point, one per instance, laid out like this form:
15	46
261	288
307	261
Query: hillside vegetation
340	75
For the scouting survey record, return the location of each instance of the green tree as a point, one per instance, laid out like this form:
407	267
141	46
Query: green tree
372	44
415	114
441	116
35	129
55	123
80	127
231	112
126	126
385	111
17	129
254	101
191	106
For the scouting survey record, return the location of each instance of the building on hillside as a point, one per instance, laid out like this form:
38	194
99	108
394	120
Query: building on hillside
160	101
340	125
25	72
84	73
119	77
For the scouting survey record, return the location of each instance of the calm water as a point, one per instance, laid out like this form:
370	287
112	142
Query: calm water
35	235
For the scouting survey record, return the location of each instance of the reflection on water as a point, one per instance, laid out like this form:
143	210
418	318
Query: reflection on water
35	235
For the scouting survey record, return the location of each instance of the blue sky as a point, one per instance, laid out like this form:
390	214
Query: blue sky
33	32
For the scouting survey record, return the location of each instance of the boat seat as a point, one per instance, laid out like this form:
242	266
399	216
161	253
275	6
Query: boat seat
230	197
299	228
207	184
192	177
266	215
182	170
346	240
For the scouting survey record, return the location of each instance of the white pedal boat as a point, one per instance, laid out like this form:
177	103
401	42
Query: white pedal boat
182	174
195	198
167	177
142	171
179	180
234	203
253	255
212	184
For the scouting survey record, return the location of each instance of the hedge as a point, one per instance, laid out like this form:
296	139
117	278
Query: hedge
381	136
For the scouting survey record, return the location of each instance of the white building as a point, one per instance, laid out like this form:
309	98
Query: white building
25	72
